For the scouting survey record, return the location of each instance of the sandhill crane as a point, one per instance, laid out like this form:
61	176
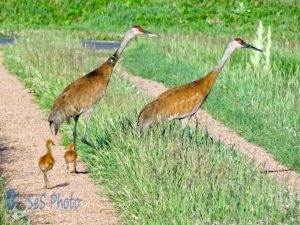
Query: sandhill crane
46	162
184	101
71	157
79	98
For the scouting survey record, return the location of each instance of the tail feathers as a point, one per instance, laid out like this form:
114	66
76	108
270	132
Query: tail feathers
147	117
55	119
60	114
53	128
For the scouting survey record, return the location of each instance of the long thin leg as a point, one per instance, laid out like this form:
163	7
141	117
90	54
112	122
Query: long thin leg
75	131
67	168
184	123
46	179
86	119
75	164
197	125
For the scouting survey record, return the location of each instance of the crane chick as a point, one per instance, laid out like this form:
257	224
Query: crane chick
80	97
46	162
184	101
71	157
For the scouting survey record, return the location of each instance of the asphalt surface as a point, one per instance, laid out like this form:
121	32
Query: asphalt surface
107	45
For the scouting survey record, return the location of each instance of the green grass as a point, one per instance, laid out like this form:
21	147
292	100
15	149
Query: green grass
3	210
150	180
5	217
262	106
227	16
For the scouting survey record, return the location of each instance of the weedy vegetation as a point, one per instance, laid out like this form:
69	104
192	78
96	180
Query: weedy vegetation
3	209
210	17
151	180
15	216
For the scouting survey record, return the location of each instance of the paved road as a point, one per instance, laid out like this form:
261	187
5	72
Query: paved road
87	43
6	41
100	44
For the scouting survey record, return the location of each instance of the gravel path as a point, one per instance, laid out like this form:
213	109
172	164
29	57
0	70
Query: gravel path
261	158
23	131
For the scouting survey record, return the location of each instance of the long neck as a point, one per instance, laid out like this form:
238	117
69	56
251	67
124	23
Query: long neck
123	44
225	57
211	77
49	149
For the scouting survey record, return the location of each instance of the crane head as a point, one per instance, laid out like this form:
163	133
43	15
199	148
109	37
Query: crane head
129	35
49	142
240	43
138	30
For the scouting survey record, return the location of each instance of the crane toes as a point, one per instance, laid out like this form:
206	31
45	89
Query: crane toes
83	140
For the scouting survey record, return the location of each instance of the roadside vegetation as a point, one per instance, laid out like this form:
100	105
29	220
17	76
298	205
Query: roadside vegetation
7	218
3	210
151	180
209	17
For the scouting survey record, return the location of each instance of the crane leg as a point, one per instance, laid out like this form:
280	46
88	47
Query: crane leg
75	164
67	168
184	123
86	119
75	132
197	125
46	179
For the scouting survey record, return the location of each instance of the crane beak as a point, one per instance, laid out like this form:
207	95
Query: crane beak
252	47
148	33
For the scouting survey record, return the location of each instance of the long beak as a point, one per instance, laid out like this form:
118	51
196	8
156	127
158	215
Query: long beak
148	33
252	47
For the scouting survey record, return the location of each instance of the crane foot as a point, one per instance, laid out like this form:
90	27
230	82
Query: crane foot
83	140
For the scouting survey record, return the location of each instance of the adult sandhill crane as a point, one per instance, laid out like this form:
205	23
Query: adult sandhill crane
184	101
80	97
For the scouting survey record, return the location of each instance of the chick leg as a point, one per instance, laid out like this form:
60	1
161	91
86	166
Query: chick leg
46	179
75	164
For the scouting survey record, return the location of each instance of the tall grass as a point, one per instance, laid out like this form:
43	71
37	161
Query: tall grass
150	180
177	15
263	106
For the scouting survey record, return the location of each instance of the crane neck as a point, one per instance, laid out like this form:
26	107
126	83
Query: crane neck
49	151
211	77
230	48
128	36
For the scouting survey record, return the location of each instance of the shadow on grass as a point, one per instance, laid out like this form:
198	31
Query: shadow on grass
276	171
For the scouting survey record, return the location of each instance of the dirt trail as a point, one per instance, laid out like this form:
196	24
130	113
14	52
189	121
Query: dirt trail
261	158
23	131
